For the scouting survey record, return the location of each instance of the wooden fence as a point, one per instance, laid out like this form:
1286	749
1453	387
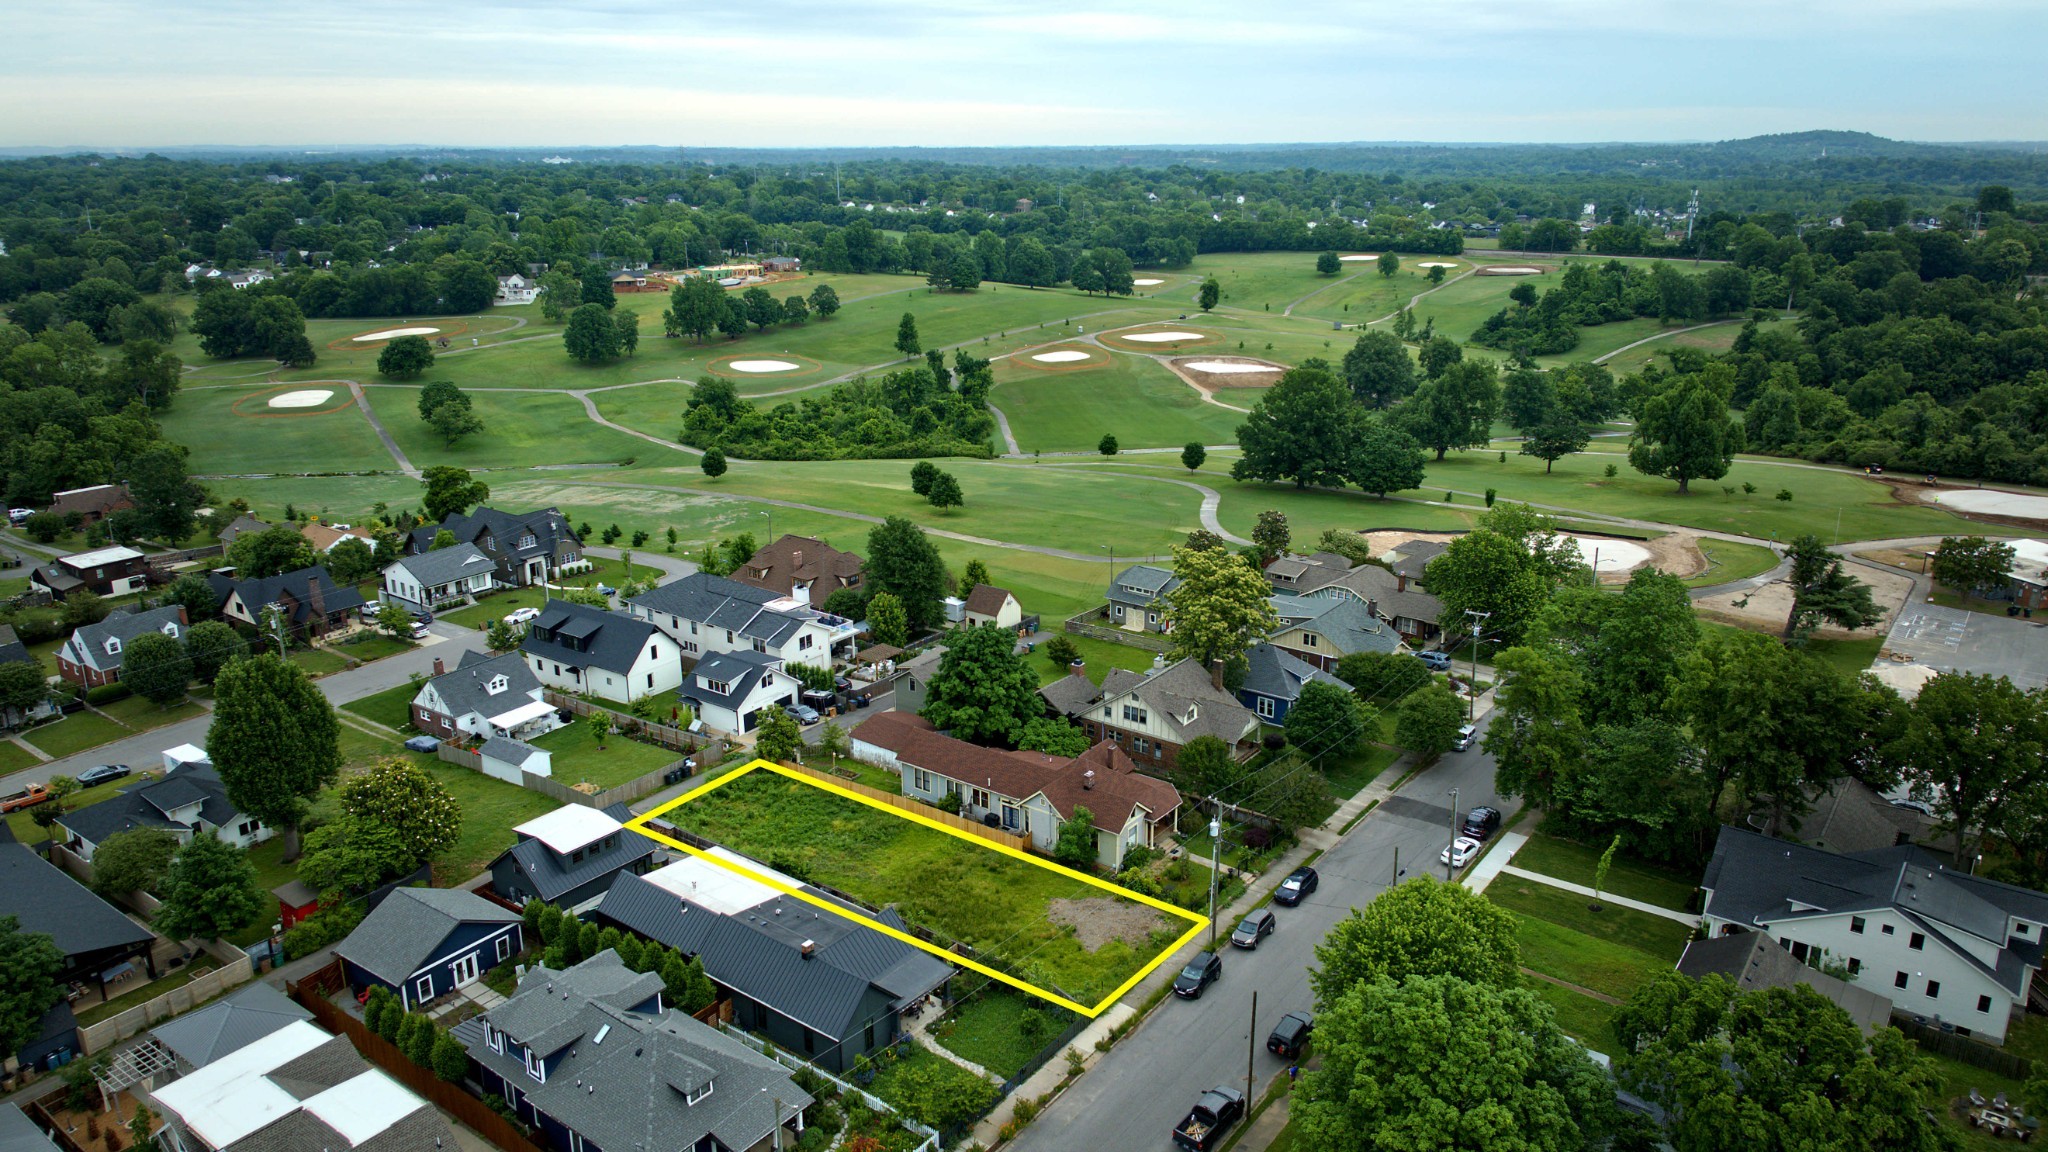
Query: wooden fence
675	739
381	1052
106	1033
912	804
2010	1065
1079	625
626	793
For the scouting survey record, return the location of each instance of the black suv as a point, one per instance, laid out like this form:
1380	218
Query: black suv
1481	822
1299	884
1290	1035
1195	979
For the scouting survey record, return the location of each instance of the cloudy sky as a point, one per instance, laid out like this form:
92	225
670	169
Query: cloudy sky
127	73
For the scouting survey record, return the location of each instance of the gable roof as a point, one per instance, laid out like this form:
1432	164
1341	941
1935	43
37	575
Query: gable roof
987	600
404	931
1343	621
446	565
1372	583
716	602
44	898
12	650
505	529
1275	672
18	1133
251	1013
100	498
87	644
741	672
300	585
238	526
507	750
626	1075
791	560
1411	558
612	641
149	803
467	689
1071	694
551	870
1185	699
1150	580
1753	961
324	537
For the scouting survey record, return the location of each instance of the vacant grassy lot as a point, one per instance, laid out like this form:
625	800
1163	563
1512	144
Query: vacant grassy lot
578	759
319	661
1613	969
995	903
1635	879
1655	936
1583	1018
391	708
140	714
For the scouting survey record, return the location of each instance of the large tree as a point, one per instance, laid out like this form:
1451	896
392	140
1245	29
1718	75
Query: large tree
29	963
1455	408
278	548
1485	571
350	854
1436	1062
164	494
399	794
1560	434
211	645
591	336
208	891
1538	731
1383	457
156	667
1972	565
1422	927
274	741
1325	719
1427	722
450	492
1775	1070
405	358
694	307
1824	593
1683	432
902	561
906	336
1972	743
132	861
983	690
1220	608
1301	430
1378	369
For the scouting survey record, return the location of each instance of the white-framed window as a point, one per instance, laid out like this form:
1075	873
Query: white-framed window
113	645
1265	707
504	946
697	1094
494	1038
1151	617
497	684
575	1142
980	798
921	779
1309	639
534	1067
1135	714
1119	611
423	989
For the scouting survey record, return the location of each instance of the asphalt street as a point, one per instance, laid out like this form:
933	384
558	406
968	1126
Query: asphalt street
1142	1087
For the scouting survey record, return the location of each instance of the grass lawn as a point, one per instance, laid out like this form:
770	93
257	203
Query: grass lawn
310	440
271	871
23	824
995	903
532	428
13	757
1100	655
1626	876
1957	1080
490	808
1727	561
141	715
1661	939
578	759
1134	398
880	779
145	992
987	1029
1849	657
482	613
1553	950
74	733
1348	775
318	661
392	707
1583	1018
367	646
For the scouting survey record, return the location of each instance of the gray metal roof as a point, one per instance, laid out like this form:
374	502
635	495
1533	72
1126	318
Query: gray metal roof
741	671
553	874
1150	580
18	1133
466	690
613	640
42	898
199	1038
717	602
446	566
1273	672
508	750
405	930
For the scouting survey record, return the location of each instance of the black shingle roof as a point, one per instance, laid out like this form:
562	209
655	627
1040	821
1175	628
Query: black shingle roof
613	640
43	899
552	874
717	602
147	804
467	689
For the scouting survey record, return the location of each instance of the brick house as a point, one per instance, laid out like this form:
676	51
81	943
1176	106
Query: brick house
91	656
114	571
92	504
312	603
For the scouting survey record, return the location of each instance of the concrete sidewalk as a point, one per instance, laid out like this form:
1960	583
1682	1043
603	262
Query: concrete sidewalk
1602	897
1495	862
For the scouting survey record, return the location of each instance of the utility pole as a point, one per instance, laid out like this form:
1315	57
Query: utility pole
1472	689
1451	860
1251	1048
1215	866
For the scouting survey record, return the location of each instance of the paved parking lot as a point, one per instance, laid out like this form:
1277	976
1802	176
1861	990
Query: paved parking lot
1952	640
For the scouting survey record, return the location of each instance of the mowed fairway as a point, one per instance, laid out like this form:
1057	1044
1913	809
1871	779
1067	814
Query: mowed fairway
524	428
277	440
1134	398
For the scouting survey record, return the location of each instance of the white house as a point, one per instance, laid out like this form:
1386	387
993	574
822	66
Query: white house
434	578
730	690
578	648
706	615
987	604
487	696
517	289
1941	945
188	799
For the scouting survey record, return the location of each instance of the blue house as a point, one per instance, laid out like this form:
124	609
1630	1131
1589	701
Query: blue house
424	943
1273	680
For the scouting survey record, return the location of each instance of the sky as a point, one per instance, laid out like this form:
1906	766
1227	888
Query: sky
777	73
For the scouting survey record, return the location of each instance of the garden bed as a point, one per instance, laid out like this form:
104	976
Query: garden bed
1000	1029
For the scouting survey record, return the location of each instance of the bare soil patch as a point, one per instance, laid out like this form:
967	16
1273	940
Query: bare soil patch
1766	608
1677	553
1097	920
1385	540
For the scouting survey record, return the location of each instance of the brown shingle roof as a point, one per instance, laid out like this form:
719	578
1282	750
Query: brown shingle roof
793	560
98	500
987	600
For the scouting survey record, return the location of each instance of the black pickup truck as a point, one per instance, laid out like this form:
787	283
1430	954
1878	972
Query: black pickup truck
1211	1116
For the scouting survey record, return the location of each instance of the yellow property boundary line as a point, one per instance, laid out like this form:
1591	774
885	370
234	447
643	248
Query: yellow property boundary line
639	824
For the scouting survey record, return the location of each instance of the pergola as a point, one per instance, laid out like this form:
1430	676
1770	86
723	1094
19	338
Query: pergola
142	1064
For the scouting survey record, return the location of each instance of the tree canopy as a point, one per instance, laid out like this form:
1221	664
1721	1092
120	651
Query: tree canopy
983	690
274	741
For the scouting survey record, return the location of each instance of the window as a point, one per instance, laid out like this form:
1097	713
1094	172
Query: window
1856	925
1889	930
1918	942
810	1045
980	798
920	779
497	684
701	1093
1933	989
1266	707
760	645
245	827
1135	714
803	643
693	627
113	645
1119	611
423	990
1151	617
504	946
1855	966
1010	817
650	679
526	541
689	645
494	1038
534	1067
1309	639
1899	981
1983	1003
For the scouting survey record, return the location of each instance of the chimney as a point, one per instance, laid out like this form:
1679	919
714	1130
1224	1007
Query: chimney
796	558
1088	780
810	948
1216	673
439	668
1372	609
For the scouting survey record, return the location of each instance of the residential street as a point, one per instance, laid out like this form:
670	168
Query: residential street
1144	1085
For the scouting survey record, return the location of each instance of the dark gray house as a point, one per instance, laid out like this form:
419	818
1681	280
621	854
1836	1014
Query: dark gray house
594	1059
821	986
423	943
97	940
568	857
527	547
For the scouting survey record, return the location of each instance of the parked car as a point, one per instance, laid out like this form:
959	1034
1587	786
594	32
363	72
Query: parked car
103	774
1253	928
1435	661
1461	852
1195	979
1299	883
1290	1035
1212	1115
819	700
27	797
420	631
801	713
1465	734
841	684
422	744
1481	822
607	589
423	617
521	615
18	515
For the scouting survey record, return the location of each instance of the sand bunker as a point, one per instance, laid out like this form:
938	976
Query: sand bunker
1505	270
306	398
1361	256
1905	679
1228	368
1613	555
1147	283
395	333
1991	503
1063	356
1436	264
763	366
1158	337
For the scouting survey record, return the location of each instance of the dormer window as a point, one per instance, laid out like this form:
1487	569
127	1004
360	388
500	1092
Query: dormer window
696	1094
497	684
113	645
171	630
526	541
534	1067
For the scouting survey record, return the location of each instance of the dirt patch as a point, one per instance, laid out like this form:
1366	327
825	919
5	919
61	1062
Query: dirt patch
1677	553
1905	558
1096	920
1766	608
1385	540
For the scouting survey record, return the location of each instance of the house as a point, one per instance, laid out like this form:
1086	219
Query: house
706	615
92	654
629	280
1753	961
323	537
97	940
18	1133
1152	715
730	690
801	568
297	1089
92	504
578	648
990	605
186	800
431	579
424	943
1029	792
1386	593
252	1012
592	1057
516	289
312	603
249	279
528	547
825	987
781	264
1324	629
1273	680
1137	597
914	684
570	856
1850	816
1410	560
114	571
13	651
485	696
240	526
503	758
1939	944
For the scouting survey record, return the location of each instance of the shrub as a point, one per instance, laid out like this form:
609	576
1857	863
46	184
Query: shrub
321	929
108	693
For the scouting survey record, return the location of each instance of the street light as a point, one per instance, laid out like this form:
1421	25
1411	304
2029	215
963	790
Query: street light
1472	689
1451	849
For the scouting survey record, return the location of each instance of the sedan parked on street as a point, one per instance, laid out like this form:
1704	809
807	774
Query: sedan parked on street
1461	852
103	774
